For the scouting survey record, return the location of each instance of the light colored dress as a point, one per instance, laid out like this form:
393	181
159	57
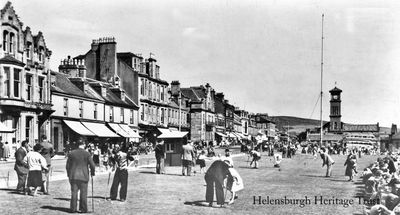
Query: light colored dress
237	184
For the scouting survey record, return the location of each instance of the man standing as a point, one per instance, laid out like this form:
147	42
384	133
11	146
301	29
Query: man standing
215	176
187	158
160	156
21	167
47	152
328	161
78	163
121	173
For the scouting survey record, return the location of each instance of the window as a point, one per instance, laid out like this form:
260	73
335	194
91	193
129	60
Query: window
122	115
111	114
28	50
41	91
65	107
142	113
162	115
5	35
40	54
16	82
80	109
7	81
28	124
188	118
162	93
28	87
150	89
131	117
141	87
12	36
158	92
95	111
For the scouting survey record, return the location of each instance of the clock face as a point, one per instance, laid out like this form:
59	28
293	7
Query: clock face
335	96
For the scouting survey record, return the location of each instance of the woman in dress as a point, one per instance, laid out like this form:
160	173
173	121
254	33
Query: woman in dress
351	164
6	151
36	163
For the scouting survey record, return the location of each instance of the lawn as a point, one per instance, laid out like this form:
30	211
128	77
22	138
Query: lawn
149	193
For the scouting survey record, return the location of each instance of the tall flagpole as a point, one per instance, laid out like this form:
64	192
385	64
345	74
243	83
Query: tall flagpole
322	70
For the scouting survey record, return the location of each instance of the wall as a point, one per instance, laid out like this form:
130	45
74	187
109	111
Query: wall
129	81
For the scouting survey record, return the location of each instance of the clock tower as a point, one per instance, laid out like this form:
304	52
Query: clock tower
335	111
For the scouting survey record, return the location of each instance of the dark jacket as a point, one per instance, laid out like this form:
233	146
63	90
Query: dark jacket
47	151
20	166
78	163
159	151
219	170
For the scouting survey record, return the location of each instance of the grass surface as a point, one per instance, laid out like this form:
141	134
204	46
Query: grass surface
149	193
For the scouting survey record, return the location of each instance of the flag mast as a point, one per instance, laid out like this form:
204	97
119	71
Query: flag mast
322	69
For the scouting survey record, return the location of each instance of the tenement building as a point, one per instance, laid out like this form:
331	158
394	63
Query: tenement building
202	112
94	110
25	104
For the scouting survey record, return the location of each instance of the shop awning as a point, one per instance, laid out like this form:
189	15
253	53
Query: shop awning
221	134
240	135
129	131
118	129
99	129
166	133
232	135
79	128
5	129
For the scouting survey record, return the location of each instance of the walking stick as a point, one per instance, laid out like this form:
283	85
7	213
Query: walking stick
92	196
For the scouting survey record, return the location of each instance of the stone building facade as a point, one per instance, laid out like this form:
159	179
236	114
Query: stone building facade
25	103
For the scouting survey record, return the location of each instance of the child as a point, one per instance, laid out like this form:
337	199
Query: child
201	161
104	160
234	183
256	156
278	159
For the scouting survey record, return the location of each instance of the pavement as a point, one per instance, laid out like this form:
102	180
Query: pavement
8	176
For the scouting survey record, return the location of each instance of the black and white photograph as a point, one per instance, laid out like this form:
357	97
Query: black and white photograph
200	107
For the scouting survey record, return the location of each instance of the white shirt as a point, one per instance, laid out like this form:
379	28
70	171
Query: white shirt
35	161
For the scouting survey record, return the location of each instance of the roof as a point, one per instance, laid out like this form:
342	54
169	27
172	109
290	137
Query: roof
8	59
128	54
63	85
189	93
110	97
326	137
360	128
335	90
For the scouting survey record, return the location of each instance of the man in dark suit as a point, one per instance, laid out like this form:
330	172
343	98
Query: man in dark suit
78	163
21	167
160	156
47	152
187	158
215	175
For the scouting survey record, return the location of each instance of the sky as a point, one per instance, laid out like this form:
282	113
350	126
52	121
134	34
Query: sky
264	55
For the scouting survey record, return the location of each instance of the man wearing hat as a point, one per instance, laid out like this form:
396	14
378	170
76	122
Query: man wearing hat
160	156
187	158
121	160
78	163
228	157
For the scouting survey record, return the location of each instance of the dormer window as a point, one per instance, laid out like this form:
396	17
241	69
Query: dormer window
40	54
28	50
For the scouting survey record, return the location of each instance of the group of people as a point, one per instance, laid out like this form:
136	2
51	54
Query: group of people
81	160
33	167
382	183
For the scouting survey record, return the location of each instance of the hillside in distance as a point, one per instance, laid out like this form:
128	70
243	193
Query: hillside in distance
295	124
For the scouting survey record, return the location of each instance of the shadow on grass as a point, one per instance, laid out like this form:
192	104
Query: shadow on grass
197	203
315	176
339	180
67	210
11	191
